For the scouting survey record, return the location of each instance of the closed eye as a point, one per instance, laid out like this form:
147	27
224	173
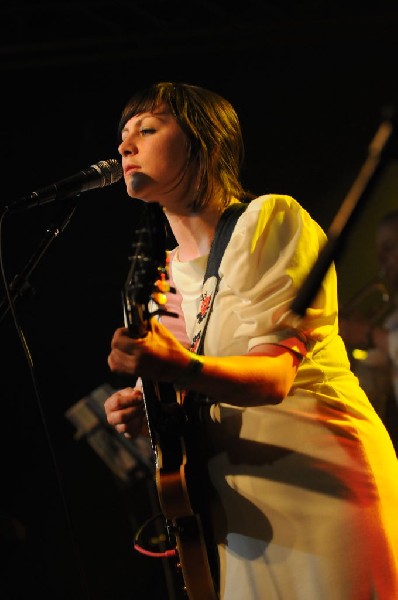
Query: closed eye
147	131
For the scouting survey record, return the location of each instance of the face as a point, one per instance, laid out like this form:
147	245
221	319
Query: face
387	252
154	152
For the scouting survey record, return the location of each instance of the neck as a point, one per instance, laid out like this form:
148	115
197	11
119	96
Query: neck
194	232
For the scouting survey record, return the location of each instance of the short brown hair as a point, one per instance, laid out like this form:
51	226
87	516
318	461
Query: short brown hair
213	130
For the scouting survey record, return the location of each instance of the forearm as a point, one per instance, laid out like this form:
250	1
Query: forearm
249	380
263	376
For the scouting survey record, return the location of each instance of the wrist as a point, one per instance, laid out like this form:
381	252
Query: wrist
190	372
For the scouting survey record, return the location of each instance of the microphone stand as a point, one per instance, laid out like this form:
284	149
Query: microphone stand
342	220
20	283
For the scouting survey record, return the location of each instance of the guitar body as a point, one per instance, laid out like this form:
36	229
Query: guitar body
171	429
175	479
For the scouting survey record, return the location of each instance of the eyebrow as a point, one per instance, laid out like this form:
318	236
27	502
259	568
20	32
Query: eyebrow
146	115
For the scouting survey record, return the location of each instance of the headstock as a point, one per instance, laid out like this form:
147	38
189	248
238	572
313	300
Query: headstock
147	278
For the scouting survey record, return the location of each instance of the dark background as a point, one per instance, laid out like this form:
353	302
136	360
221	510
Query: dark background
310	81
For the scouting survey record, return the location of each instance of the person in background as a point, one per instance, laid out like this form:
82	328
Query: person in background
376	332
303	476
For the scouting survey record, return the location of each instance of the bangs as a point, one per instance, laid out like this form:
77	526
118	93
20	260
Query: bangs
149	100
136	106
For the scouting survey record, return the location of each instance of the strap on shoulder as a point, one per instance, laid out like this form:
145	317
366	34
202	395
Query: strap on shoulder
222	236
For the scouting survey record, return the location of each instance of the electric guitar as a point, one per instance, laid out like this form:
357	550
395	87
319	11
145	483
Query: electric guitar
171	428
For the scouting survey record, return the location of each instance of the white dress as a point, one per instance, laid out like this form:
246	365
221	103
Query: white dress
308	489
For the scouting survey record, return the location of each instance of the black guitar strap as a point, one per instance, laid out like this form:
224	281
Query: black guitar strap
224	230
195	402
211	278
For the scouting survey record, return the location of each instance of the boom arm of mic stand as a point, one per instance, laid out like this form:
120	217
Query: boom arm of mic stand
342	220
20	281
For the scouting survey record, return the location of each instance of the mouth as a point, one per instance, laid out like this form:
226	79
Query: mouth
131	169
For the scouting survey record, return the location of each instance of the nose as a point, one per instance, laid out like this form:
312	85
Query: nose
127	147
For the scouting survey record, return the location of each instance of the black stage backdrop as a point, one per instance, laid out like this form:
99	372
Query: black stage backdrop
309	84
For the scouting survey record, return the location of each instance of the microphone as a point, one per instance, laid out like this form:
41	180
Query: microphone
99	175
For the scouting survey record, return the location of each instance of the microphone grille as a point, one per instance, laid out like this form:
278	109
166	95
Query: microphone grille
111	171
